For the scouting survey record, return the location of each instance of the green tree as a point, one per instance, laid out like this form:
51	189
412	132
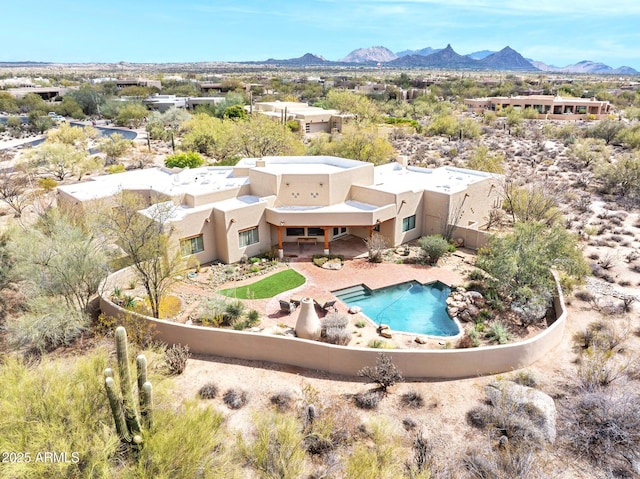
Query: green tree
32	102
70	107
88	98
260	136
519	262
131	115
115	146
605	130
190	159
57	159
209	136
630	136
364	109
144	235
443	124
537	201
60	258
235	112
621	177
357	144
482	160
589	152
8	103
74	136
161	125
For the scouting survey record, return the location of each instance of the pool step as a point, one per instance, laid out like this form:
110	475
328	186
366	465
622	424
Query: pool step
352	294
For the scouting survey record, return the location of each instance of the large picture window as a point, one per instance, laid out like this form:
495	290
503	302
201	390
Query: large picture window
315	232
191	245
409	223
295	231
248	237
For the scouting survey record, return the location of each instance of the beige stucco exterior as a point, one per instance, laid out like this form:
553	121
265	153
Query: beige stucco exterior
231	212
548	106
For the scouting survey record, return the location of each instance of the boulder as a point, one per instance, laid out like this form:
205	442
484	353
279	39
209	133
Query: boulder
535	404
473	311
385	334
465	316
420	340
354	309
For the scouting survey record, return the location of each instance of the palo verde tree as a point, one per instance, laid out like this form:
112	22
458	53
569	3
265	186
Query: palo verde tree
60	257
520	262
144	234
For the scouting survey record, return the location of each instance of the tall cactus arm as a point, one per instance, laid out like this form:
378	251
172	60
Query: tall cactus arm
116	410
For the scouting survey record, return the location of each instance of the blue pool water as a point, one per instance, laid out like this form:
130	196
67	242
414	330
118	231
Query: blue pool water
407	307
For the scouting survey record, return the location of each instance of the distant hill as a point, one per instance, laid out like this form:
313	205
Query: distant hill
308	59
424	52
586	66
446	58
507	59
370	55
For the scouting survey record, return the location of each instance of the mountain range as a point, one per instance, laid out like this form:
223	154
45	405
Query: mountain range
506	59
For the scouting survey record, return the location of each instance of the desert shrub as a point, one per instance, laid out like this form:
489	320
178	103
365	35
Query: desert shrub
175	359
139	331
465	342
47	184
525	378
477	275
235	398
385	374
379	456
604	427
376	246
498	332
584	295
412	399
208	391
335	320
597	368
276	450
519	425
281	400
368	399
338	336
39	331
114	169
504	462
189	159
380	344
361	323
433	247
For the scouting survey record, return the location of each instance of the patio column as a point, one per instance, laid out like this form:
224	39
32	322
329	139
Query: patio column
326	240
280	248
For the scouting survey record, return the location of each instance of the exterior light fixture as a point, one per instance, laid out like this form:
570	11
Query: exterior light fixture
232	220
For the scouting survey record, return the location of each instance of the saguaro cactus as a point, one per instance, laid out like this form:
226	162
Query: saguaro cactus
125	408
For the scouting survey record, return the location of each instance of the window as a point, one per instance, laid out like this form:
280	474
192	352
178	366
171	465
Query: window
295	231
315	232
248	237
191	245
409	223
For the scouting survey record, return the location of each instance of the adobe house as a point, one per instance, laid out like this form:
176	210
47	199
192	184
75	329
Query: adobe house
225	213
548	106
310	118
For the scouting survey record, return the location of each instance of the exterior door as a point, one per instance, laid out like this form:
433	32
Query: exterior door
338	232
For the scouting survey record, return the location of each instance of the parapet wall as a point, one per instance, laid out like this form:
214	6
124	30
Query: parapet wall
414	364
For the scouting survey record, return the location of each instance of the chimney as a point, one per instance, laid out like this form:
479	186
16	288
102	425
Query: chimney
403	160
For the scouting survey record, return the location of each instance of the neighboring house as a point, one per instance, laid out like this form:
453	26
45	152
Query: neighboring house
548	106
311	119
225	213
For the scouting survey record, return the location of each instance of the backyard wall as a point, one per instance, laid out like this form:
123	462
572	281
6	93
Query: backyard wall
414	364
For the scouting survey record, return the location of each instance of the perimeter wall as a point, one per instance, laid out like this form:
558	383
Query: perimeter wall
414	364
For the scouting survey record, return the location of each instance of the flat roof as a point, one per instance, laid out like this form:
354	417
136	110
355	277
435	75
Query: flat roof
394	178
301	164
188	181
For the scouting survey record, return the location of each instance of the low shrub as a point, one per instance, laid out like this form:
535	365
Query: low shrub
338	336
412	399
39	331
190	159
175	359
498	332
433	247
282	401
208	391
361	323
385	374
380	344
235	398
368	399
335	320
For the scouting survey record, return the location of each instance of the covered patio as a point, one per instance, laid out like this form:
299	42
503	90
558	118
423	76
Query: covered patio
348	246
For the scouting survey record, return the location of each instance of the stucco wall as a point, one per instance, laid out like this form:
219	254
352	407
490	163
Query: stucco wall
414	364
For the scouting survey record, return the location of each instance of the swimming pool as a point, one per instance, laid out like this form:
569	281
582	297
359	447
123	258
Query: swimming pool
409	307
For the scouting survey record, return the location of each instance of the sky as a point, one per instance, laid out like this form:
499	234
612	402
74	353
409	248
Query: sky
556	32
